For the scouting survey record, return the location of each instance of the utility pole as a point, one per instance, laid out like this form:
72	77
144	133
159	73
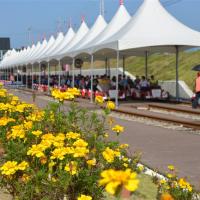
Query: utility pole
102	9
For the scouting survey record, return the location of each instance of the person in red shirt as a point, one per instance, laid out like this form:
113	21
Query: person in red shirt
197	91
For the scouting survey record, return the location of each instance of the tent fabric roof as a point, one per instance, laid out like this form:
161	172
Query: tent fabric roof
27	58
39	52
56	44
67	39
44	50
82	31
118	21
152	26
98	27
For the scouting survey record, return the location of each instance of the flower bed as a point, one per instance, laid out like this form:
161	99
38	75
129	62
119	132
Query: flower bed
52	155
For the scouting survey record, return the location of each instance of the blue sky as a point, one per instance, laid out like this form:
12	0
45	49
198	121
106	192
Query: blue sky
43	16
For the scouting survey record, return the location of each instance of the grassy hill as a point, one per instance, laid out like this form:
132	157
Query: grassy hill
162	66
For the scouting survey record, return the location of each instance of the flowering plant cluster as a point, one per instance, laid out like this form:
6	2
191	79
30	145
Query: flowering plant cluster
53	154
174	188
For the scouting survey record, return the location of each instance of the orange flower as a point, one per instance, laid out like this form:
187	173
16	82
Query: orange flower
166	196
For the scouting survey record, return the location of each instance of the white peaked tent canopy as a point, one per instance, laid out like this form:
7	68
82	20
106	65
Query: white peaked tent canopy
56	44
67	39
118	21
48	46
39	52
12	58
32	49
21	55
82	31
6	57
26	59
152	28
96	30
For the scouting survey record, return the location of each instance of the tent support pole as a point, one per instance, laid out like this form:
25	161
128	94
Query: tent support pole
39	73
73	73
117	81
177	74
48	76
106	66
91	74
124	62
109	68
17	76
32	76
59	69
6	75
26	76
146	64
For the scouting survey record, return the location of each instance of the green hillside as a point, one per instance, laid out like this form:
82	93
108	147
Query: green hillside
162	66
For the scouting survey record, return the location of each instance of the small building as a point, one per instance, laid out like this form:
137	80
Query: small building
4	46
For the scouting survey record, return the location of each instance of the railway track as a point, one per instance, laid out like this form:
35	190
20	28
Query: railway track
173	109
163	118
188	123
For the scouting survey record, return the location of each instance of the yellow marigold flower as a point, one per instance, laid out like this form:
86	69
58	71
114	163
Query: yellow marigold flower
124	146
125	165
71	168
3	93
118	129
5	120
15	98
61	96
92	162
184	184
58	153
162	181
80	143
48	136
72	135
110	105
25	178
9	168
36	150
99	99
84	197
28	125
170	175
36	116
59	140
17	132
116	179
80	152
166	196
23	166
171	167
37	133
125	159
109	154
74	91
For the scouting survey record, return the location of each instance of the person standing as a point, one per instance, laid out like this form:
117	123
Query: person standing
197	91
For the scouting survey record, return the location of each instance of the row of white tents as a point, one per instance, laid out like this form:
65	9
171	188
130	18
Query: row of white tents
151	29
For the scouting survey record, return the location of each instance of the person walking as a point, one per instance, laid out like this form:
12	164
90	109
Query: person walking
195	102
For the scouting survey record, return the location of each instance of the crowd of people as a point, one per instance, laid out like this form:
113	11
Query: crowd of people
104	82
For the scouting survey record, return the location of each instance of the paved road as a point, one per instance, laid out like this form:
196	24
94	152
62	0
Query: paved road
159	146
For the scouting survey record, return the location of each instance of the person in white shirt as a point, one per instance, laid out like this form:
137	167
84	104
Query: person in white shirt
144	84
